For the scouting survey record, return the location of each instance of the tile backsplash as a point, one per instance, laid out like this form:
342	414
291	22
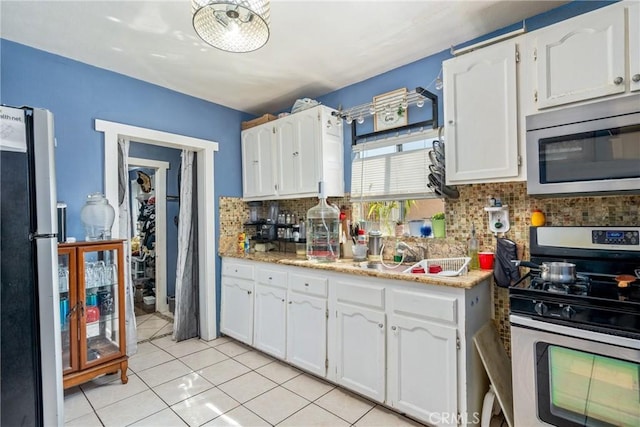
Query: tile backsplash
561	211
469	209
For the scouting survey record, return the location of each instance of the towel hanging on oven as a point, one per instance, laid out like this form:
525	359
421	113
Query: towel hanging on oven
505	273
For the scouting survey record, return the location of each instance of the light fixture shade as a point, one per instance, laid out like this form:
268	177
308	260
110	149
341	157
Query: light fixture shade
232	25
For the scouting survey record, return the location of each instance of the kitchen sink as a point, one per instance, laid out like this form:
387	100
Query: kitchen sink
391	267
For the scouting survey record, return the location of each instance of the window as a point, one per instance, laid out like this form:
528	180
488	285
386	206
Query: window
389	180
394	168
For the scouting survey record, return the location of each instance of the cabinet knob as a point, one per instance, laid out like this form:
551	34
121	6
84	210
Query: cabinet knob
289	302
306	284
618	80
282	299
248	292
450	122
295	153
380	325
270	278
636	78
393	328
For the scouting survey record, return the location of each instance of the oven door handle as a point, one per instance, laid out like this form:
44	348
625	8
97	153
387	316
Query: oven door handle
575	332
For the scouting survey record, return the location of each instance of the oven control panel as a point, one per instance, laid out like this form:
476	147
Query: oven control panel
615	237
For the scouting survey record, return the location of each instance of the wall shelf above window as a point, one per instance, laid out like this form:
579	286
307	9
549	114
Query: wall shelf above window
394	103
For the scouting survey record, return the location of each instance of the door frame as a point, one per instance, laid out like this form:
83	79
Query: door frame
160	192
204	150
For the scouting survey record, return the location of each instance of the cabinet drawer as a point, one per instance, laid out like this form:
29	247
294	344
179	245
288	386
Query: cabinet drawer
425	306
308	285
272	277
240	271
360	294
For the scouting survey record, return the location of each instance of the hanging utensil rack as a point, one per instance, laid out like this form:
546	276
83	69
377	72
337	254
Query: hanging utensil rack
417	97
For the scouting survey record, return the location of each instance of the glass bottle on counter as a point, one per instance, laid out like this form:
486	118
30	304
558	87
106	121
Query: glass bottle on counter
474	264
323	228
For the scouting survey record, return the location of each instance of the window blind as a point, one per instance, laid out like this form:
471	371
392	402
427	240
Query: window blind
393	169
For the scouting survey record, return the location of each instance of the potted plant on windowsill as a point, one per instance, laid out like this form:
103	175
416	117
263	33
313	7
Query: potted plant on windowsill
380	212
438	225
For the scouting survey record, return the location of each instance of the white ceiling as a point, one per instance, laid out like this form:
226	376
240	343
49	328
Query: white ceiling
315	47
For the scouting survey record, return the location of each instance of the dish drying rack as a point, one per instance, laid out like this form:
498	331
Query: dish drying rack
451	267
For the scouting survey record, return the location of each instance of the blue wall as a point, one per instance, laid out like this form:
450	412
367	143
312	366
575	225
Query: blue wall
77	94
173	157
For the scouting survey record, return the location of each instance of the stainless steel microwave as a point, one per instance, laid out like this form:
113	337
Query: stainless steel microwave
585	150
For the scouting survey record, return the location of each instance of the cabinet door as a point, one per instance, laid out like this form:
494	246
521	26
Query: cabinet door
310	156
481	115
270	320
634	46
422	370
307	333
69	308
582	58
298	142
236	317
257	162
361	361
101	299
287	154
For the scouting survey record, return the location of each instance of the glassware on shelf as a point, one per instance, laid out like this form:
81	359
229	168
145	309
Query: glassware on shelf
92	311
64	311
63	278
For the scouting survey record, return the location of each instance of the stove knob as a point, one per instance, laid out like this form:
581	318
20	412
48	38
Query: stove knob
541	309
567	312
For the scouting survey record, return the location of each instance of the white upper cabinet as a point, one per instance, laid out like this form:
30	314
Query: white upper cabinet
298	143
590	56
634	46
581	58
481	115
305	148
258	162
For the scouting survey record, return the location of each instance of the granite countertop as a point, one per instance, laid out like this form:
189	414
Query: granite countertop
466	281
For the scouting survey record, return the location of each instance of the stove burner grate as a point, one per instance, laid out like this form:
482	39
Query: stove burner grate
579	287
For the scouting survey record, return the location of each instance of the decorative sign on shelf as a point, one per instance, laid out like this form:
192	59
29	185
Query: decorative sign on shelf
390	110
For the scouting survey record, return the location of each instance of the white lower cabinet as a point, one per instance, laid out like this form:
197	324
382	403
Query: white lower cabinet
360	336
236	305
236	309
270	330
403	344
307	326
361	357
422	366
270	314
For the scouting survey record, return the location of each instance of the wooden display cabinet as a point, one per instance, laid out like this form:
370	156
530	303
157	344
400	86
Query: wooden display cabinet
92	310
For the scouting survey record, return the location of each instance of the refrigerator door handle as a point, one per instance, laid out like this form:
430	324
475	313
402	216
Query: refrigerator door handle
33	236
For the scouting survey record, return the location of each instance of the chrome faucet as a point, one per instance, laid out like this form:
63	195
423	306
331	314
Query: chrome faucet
414	255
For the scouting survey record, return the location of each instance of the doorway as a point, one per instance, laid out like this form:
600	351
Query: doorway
204	151
149	245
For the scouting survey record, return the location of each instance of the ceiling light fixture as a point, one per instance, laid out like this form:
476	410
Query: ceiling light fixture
232	25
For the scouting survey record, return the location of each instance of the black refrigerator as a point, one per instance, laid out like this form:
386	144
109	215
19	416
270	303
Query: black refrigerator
30	341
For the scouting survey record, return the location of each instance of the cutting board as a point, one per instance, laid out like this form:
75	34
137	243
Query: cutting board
498	366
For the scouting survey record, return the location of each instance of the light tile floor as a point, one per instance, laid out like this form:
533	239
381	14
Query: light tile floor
216	383
154	325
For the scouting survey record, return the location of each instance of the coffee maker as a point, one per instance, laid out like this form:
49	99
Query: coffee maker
267	231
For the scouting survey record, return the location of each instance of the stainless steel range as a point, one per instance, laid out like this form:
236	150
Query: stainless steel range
576	343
